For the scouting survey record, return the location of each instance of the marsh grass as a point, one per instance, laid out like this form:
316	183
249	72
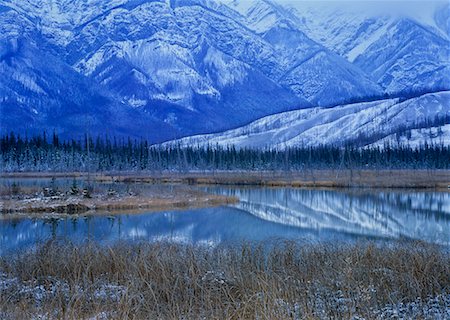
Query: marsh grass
417	179
284	280
110	197
339	178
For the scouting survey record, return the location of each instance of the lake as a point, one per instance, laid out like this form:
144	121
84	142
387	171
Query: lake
309	215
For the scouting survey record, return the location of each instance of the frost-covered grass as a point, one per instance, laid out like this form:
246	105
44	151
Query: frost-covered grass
268	281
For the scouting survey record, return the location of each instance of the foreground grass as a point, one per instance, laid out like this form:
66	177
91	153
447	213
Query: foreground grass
277	281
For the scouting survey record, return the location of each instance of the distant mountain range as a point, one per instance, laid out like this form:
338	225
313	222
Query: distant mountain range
162	70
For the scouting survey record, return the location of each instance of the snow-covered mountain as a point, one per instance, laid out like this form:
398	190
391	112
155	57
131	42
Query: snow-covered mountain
179	69
310	69
400	48
368	123
163	69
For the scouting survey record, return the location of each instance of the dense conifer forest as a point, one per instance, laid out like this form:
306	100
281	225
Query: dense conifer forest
48	153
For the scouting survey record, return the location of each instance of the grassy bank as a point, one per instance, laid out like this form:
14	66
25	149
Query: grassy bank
418	179
284	281
17	199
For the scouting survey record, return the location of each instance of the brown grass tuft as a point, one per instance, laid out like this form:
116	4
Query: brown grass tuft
271	281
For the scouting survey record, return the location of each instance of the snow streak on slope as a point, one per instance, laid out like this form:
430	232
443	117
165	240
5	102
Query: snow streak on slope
361	123
362	46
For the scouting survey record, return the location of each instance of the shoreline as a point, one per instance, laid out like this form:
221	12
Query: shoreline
79	209
401	179
160	191
34	204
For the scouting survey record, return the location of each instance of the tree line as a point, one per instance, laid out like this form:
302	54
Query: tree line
49	153
401	95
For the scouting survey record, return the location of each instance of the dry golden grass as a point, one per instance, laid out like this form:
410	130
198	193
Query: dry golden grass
138	197
437	179
271	281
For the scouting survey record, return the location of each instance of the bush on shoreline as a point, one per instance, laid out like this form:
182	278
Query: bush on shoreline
278	281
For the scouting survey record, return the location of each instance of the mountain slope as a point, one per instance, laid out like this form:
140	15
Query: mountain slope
199	60
39	91
180	65
360	123
166	69
400	51
408	57
309	69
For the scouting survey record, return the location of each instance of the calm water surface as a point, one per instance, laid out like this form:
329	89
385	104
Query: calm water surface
262	214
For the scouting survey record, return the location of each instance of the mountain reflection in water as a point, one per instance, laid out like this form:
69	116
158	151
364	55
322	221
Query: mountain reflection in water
262	214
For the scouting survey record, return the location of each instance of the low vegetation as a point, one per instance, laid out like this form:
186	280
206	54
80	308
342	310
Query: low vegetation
59	198
411	179
267	281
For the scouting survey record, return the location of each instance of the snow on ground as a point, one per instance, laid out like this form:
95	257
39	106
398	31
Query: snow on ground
36	291
418	137
429	308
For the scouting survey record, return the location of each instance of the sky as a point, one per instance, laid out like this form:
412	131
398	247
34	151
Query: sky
399	6
406	7
421	10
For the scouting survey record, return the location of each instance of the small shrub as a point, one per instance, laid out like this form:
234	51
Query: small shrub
15	189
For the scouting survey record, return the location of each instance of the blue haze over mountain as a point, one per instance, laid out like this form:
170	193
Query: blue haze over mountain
166	69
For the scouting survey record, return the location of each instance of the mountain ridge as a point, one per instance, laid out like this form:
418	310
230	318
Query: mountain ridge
189	67
360	124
